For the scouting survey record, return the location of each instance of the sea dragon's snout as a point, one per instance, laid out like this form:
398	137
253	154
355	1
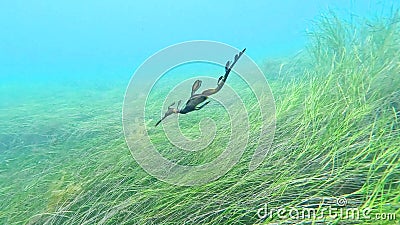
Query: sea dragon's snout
170	111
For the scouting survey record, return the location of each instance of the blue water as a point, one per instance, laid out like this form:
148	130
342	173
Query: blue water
112	38
64	67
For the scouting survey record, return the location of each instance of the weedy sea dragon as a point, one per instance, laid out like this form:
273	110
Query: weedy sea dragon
196	99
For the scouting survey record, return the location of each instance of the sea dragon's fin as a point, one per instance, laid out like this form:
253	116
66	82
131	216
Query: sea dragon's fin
227	65
219	79
196	86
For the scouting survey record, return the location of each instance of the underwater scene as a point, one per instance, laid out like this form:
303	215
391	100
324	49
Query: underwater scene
200	112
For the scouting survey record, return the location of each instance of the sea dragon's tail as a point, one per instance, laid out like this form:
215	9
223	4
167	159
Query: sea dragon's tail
229	66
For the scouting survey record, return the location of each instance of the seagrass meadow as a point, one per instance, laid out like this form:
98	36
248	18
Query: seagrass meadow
64	159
